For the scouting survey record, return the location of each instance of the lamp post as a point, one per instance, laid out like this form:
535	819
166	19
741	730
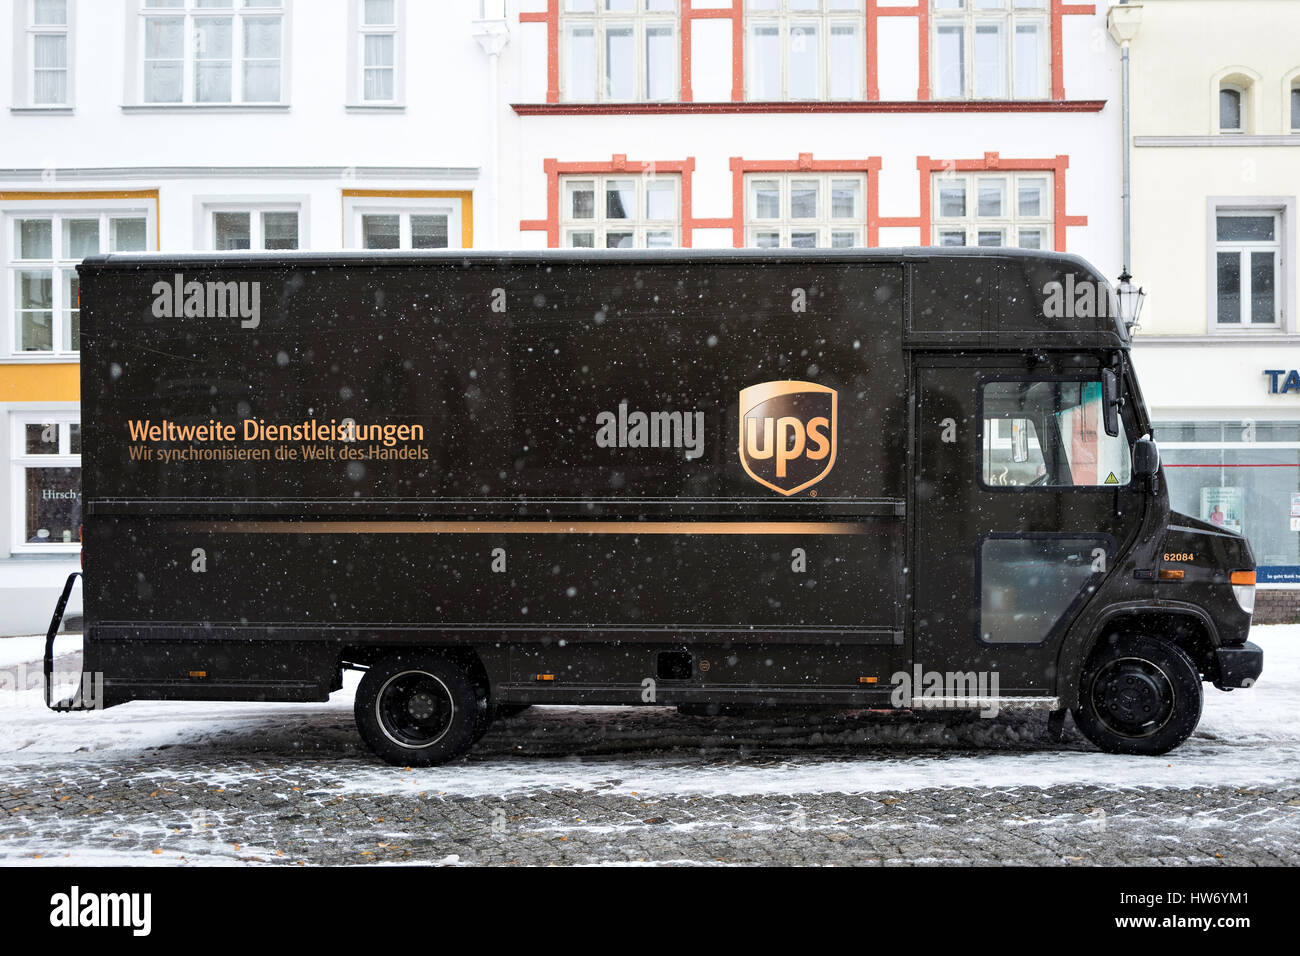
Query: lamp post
1130	298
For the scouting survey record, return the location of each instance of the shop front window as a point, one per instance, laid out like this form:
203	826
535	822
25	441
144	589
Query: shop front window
1243	476
46	471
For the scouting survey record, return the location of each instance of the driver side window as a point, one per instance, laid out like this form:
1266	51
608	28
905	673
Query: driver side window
1050	433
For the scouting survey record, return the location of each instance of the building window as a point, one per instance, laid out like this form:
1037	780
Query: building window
620	212
1232	108
47	49
805	50
619	50
1295	107
805	211
262	229
41	252
396	222
990	49
993	209
404	230
211	51
1248	263
1242	476
45	465
379	51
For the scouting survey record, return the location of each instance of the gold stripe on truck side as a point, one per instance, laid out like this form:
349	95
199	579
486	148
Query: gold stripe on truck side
531	527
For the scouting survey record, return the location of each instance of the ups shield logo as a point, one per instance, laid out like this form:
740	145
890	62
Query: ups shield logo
787	434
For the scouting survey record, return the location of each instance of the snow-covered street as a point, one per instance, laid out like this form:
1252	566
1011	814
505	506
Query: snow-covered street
183	783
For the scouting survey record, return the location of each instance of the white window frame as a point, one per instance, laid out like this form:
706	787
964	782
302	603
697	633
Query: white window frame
365	31
599	225
1008	14
823	223
1245	82
1241	248
10	265
29	67
1291	95
354	207
188	11
1011	223
573	13
20	463
257	223
779	14
358	30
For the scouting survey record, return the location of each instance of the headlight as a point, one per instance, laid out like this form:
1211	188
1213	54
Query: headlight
1243	589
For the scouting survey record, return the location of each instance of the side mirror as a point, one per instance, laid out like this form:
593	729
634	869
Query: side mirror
1146	458
1019	439
1110	401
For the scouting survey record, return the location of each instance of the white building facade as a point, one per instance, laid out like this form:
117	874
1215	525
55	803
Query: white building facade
1216	173
347	124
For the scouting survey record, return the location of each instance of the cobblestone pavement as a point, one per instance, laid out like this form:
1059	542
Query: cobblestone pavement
296	787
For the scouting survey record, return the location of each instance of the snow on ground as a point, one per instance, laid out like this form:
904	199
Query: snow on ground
31	650
1247	737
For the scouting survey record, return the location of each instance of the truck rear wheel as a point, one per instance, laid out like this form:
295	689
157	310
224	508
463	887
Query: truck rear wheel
1138	695
418	709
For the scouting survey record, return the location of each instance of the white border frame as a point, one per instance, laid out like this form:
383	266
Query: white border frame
354	207
1286	287
62	208
784	18
1247	81
639	225
1010	224
355	60
205	206
823	224
640	19
134	49
1009	16
16	416
25	63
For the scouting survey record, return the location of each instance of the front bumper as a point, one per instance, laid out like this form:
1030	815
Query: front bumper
1239	665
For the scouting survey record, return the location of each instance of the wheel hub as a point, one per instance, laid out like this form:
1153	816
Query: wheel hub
1133	697
421	706
415	709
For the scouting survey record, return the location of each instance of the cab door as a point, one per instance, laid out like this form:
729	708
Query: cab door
1022	504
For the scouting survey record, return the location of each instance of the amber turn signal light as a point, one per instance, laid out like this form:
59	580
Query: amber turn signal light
1243	577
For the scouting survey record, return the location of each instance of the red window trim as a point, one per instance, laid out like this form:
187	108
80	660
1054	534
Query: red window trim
922	222
1058	10
805	106
618	163
804	164
992	161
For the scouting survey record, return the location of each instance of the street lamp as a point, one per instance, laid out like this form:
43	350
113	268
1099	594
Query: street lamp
1130	298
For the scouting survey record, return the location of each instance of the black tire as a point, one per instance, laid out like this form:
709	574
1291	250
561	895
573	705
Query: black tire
1138	695
417	709
506	711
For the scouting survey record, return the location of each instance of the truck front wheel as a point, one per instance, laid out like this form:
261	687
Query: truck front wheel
1138	695
418	709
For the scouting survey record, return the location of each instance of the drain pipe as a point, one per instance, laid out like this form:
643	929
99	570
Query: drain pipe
492	33
1122	22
